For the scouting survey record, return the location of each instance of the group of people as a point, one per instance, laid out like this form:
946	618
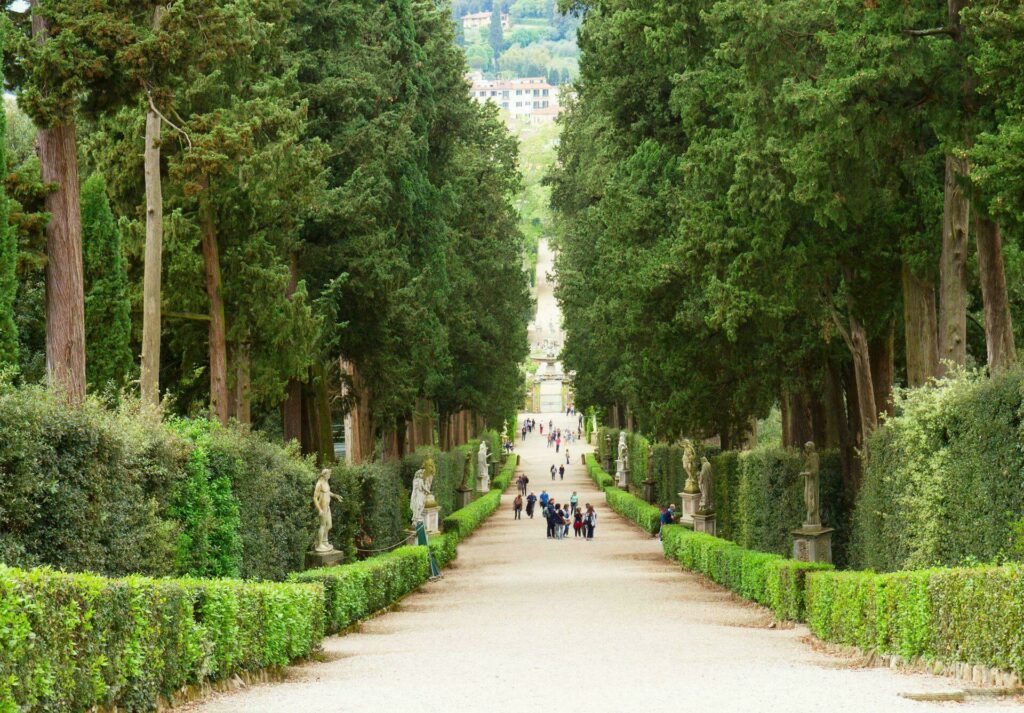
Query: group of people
527	426
556	436
559	517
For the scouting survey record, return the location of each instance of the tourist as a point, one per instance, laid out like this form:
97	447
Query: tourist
567	456
549	516
573	503
526	482
517	507
531	502
565	523
558	444
553	470
665	519
544	497
561	472
577	523
590	520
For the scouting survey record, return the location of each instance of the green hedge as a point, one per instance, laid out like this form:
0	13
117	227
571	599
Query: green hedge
353	592
647	516
971	615
462	522
504	477
601	479
73	641
944	483
765	578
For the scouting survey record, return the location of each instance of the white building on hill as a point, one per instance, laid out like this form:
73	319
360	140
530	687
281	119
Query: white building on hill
483	19
527	97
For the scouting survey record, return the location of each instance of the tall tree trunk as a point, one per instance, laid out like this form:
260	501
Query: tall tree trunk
882	351
65	282
866	406
920	329
323	420
291	409
218	348
953	268
1002	354
243	385
149	378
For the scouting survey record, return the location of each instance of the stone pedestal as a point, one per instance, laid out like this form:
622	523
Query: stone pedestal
649	491
432	518
316	560
621	478
704	522
813	543
464	496
688	503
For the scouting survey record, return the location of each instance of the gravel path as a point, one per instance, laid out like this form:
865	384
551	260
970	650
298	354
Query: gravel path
521	623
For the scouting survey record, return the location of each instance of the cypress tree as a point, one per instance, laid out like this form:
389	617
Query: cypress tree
8	265
107	308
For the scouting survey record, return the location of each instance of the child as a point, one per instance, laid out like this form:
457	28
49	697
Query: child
577	523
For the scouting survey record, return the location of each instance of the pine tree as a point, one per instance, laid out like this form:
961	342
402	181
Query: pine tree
107	308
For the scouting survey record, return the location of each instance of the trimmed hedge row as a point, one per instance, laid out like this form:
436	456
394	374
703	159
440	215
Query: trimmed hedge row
353	592
973	615
647	516
73	641
765	578
601	479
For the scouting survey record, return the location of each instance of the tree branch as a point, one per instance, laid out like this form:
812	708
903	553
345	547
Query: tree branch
950	31
152	106
188	315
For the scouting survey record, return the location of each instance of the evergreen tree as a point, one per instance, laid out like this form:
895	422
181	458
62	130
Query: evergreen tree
496	35
8	266
107	306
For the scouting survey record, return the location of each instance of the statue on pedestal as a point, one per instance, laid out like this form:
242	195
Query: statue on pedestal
707	492
810	473
623	450
421	484
322	497
690	466
483	473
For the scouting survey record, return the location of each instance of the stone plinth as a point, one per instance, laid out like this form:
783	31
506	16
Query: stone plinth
316	560
621	477
432	519
704	522
813	543
688	501
464	496
649	491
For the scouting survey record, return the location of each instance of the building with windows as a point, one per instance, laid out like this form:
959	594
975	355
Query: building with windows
476	20
521	98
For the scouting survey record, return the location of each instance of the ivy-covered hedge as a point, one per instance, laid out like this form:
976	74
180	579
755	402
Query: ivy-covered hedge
105	490
944	482
353	592
765	578
73	641
970	615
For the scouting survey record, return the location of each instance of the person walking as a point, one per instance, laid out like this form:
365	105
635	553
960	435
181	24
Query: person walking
590	521
517	507
549	515
567	456
574	502
526	482
553	470
561	472
544	497
531	503
577	523
558	443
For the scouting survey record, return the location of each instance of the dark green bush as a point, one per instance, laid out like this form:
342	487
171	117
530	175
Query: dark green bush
970	615
944	482
504	477
639	511
726	468
376	505
353	592
763	577
462	522
669	476
73	641
601	479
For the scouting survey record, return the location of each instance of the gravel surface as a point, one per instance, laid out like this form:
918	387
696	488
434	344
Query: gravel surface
522	623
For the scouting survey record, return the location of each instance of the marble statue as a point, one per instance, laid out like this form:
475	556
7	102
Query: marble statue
483	473
322	497
623	450
421	484
707	500
690	466
812	466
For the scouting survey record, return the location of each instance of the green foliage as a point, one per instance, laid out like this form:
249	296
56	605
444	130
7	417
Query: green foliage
9	355
504	477
354	592
767	579
464	521
943	482
75	641
633	508
952	615
601	479
108	325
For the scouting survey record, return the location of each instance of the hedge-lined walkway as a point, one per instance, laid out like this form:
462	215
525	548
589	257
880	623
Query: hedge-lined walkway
520	623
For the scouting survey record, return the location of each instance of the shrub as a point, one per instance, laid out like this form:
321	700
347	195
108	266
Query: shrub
945	477
631	507
461	523
353	592
765	578
971	615
669	476
601	479
73	641
504	477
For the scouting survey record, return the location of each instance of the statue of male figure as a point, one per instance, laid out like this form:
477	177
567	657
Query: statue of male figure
322	497
812	466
